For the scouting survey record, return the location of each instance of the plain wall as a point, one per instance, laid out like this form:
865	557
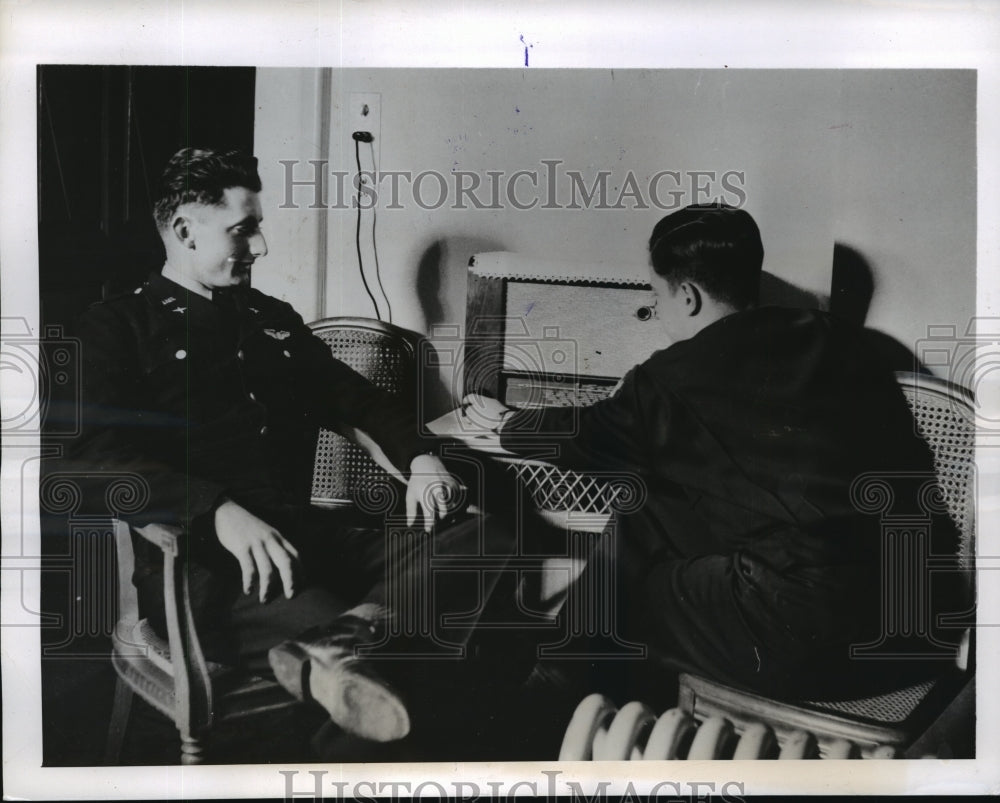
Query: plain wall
879	161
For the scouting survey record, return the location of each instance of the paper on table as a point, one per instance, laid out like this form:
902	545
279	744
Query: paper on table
455	424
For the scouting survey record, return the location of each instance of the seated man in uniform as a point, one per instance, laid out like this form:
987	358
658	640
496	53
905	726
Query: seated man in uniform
212	393
747	560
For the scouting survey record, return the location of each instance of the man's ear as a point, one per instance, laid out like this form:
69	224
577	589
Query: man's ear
183	231
691	294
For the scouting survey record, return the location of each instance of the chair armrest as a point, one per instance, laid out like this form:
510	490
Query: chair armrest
192	684
168	539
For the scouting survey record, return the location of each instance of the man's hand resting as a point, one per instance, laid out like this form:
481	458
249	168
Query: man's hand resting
259	548
431	489
483	412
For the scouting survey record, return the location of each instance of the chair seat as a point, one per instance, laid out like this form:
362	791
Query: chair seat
890	720
892	708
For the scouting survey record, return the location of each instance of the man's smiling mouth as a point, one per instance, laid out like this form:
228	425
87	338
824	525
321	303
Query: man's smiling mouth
241	266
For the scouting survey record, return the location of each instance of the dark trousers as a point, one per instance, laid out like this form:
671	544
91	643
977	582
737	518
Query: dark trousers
436	583
633	623
343	558
630	626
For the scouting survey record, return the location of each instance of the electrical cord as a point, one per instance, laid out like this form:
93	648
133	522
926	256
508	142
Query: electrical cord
357	233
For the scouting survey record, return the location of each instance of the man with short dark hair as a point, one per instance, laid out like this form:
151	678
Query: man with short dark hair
213	393
747	560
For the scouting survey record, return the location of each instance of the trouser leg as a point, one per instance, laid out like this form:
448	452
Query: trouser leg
342	556
784	633
704	614
437	583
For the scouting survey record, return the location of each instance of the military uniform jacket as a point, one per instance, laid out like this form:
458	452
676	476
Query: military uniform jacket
205	400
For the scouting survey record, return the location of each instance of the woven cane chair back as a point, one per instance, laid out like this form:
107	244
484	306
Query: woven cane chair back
944	415
384	354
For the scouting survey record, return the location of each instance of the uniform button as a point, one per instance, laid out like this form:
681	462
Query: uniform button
137	291
180	354
286	353
263	430
252	397
239	354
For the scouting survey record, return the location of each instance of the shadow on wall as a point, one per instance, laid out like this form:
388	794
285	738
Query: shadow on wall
852	286
777	292
441	284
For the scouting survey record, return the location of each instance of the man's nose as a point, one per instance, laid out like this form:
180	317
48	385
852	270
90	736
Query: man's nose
258	245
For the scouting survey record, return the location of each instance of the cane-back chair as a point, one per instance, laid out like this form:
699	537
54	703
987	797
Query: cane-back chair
172	673
387	356
926	719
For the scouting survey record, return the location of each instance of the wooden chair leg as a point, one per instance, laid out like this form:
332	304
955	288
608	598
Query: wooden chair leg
193	749
120	710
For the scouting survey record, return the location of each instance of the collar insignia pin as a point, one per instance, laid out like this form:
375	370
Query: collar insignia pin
179	309
169	300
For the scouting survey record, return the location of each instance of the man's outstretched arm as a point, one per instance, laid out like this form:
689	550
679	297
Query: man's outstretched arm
345	401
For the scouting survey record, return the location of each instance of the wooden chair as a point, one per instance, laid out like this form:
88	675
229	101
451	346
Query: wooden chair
172	674
714	720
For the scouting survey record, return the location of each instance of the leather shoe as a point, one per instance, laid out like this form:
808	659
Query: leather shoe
322	665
